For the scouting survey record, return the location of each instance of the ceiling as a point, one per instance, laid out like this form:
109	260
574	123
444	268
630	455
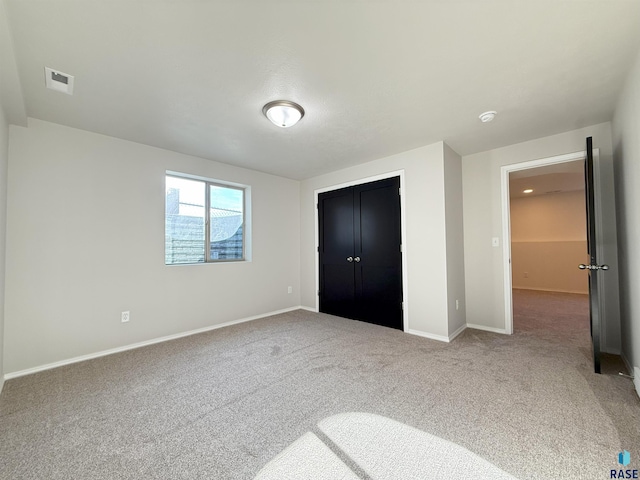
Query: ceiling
549	179
375	77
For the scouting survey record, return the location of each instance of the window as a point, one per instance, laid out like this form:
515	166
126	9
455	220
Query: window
202	213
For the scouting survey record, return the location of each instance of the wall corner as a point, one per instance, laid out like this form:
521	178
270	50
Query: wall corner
454	233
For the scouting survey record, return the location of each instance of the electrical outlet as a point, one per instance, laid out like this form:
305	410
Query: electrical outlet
457	304
526	274
125	317
289	289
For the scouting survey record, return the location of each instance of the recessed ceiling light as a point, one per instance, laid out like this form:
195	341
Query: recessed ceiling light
283	113
487	116
528	190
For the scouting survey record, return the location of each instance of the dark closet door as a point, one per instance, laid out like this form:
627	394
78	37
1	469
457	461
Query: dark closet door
360	253
337	246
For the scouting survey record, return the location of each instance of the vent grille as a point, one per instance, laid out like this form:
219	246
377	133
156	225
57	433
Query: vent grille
58	81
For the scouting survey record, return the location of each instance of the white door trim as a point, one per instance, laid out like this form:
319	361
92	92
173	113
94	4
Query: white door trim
403	235
506	221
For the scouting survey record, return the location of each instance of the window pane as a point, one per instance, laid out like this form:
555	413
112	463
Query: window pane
226	218
184	221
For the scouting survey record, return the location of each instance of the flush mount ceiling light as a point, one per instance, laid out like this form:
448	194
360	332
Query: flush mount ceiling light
528	190
487	116
283	113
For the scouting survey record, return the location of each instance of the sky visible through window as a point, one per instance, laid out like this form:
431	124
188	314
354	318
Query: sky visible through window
193	235
226	199
192	194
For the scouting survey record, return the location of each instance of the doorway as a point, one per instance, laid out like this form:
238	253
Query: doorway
360	252
606	330
548	241
525	170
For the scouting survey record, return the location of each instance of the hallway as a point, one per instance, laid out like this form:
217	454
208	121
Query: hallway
561	319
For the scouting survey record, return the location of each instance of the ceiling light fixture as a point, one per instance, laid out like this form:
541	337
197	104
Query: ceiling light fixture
528	190
487	116
283	113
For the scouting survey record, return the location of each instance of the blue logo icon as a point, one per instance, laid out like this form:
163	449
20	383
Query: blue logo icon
624	458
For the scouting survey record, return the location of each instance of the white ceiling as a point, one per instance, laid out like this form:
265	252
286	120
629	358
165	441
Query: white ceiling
375	77
558	178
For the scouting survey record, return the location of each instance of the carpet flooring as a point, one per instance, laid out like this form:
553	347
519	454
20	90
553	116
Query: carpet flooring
222	404
364	446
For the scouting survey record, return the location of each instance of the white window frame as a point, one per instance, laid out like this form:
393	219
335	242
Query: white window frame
246	217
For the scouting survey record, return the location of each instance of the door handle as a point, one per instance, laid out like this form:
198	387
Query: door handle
582	266
357	259
349	259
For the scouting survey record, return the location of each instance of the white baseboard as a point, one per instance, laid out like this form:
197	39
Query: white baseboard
487	329
457	332
611	351
431	336
1	383
90	356
440	338
626	363
550	290
635	371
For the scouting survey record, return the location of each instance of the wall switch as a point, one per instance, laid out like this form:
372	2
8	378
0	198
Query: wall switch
495	242
289	289
125	317
526	274
457	304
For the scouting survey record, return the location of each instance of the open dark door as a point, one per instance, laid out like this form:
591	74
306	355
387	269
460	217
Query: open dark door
594	267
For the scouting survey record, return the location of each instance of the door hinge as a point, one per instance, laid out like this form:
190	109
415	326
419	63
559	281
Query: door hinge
402	305
318	292
317	207
399	190
400	248
318	249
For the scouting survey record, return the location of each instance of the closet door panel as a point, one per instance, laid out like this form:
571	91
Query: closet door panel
378	275
336	229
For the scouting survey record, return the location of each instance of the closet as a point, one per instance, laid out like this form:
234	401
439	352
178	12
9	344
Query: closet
360	252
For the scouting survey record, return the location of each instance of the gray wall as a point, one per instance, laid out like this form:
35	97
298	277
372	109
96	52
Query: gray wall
85	241
10	87
427	293
455	240
12	111
483	220
626	141
4	155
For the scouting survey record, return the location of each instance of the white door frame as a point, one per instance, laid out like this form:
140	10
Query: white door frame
506	220
403	235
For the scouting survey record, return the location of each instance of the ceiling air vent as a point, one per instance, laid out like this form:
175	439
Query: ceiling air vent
58	81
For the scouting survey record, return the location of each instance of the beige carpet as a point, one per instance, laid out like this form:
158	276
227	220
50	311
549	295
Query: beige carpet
375	447
221	405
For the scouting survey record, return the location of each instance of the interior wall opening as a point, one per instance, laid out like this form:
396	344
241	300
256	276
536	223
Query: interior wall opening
547	295
547	211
